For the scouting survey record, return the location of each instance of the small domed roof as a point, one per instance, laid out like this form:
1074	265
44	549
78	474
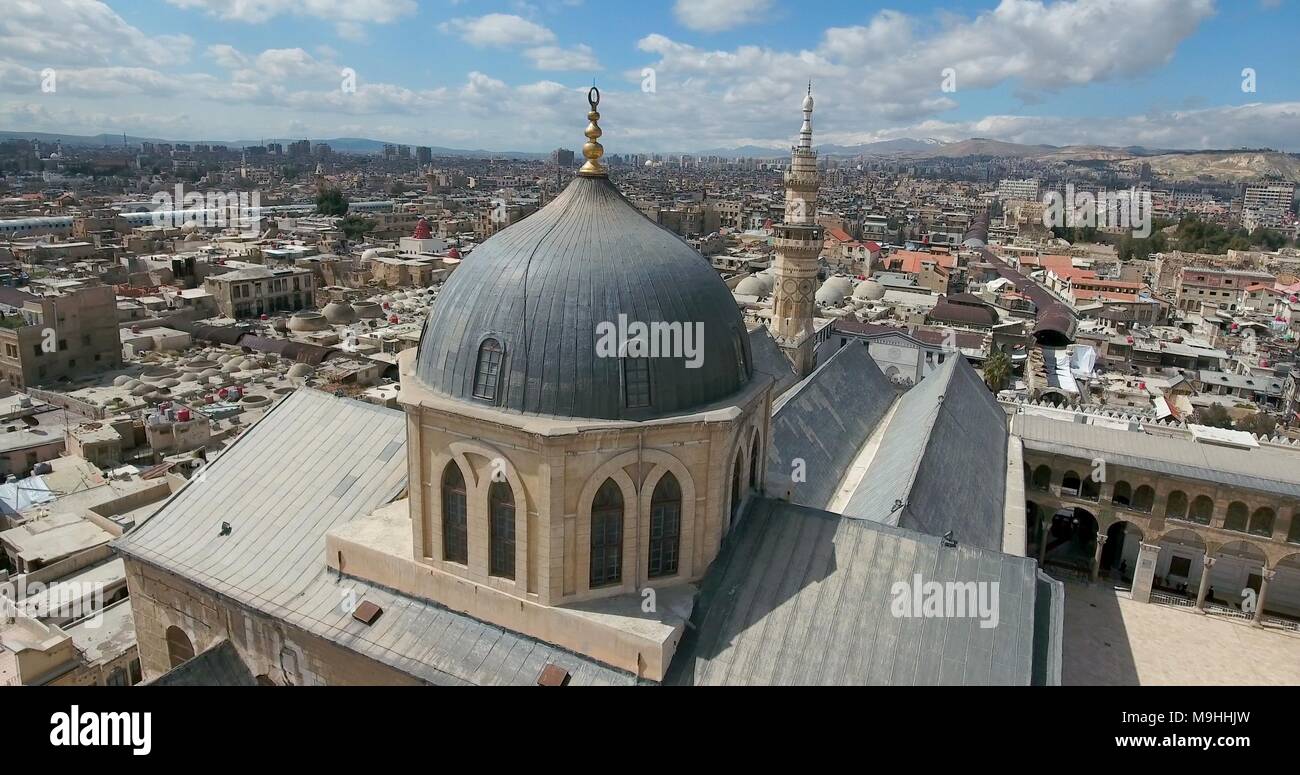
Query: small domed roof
338	313
834	290
751	286
871	290
368	309
308	321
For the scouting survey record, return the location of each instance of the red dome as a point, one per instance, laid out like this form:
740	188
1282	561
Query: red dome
422	230
453	253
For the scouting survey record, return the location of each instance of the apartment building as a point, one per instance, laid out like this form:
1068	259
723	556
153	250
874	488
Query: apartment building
45	339
1025	190
259	290
1225	288
1268	205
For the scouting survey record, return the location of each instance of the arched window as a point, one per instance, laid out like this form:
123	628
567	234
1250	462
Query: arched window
1238	515
1202	510
501	510
1090	489
607	536
487	375
455	509
1176	505
1070	485
1261	522
753	465
1042	478
1123	495
179	647
1293	535
636	382
1144	499
665	527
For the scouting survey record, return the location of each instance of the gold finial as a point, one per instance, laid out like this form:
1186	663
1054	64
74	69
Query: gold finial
593	150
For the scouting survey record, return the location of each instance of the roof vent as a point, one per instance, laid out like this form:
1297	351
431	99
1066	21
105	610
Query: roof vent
367	613
553	675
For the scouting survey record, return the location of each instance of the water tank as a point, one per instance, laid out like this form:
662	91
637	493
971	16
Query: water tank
183	415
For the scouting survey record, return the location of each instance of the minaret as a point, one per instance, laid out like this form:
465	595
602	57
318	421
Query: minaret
798	244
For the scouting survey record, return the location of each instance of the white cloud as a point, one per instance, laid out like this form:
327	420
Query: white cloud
62	33
258	11
717	15
580	57
498	30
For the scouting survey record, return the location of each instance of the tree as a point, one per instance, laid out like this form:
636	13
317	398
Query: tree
997	370
1214	416
354	227
331	202
1260	424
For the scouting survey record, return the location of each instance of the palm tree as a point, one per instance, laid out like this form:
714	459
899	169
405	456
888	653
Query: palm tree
997	370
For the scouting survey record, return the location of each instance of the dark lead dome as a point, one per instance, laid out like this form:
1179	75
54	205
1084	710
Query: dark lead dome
516	325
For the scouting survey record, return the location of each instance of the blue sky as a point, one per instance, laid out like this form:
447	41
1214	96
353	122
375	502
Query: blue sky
510	75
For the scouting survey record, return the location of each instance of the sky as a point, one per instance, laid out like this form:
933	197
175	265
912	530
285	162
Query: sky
675	75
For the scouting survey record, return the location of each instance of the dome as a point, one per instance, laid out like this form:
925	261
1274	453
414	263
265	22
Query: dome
870	290
308	321
548	287
367	310
342	314
751	286
834	290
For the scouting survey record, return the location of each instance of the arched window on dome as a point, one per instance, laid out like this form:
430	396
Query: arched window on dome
636	382
501	529
487	376
665	527
455	531
607	536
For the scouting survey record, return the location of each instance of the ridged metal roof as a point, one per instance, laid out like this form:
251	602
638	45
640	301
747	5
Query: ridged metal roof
804	597
941	464
541	288
313	463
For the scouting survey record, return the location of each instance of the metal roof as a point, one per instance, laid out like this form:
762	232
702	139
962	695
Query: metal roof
824	421
313	462
770	360
804	597
1264	469
543	286
220	665
941	464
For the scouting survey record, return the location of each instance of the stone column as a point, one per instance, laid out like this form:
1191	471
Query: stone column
1207	562
1265	577
1096	556
1145	572
1044	530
